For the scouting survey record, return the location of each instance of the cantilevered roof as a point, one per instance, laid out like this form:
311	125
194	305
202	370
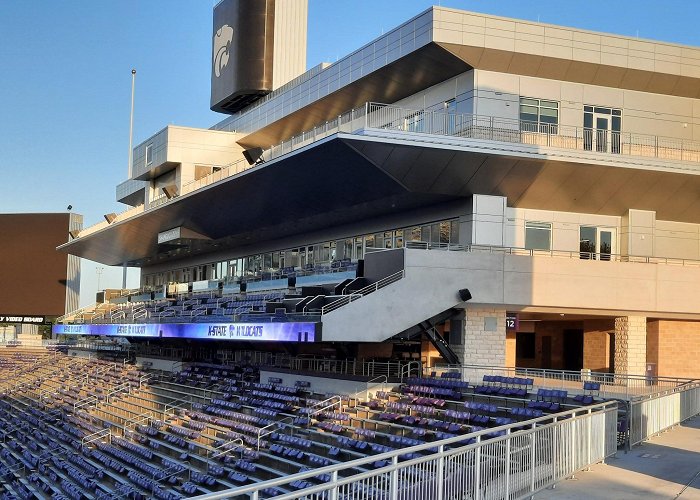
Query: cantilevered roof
348	178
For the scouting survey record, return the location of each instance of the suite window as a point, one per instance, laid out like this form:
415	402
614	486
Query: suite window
539	115
538	235
149	154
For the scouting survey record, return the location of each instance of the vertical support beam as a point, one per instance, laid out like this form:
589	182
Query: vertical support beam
630	345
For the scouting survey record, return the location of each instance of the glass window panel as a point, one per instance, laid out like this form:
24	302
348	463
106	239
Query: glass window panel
549	104
415	234
603	111
369	241
454	232
588	120
587	241
425	233
435	233
549	112
532	102
617	123
444	232
616	112
588	108
528	117
538	235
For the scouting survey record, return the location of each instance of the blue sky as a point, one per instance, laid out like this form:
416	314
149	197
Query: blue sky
65	80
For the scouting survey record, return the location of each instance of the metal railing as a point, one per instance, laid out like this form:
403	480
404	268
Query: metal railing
493	128
503	462
564	254
654	413
344	366
612	385
357	294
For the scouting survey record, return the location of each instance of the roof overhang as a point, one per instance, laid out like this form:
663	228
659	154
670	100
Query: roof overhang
348	178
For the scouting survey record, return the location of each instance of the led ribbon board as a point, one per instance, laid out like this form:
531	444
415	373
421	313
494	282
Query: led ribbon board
279	332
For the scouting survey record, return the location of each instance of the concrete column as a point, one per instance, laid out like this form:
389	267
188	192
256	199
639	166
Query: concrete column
631	345
484	337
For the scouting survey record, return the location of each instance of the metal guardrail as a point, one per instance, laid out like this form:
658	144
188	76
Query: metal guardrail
516	464
493	128
565	254
654	413
356	294
612	385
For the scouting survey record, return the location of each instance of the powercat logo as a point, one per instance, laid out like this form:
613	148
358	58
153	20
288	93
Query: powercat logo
222	48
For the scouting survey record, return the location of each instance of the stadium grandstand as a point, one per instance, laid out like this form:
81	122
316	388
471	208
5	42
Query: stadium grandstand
443	267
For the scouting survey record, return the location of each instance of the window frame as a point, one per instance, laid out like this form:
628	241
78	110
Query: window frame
531	224
540	126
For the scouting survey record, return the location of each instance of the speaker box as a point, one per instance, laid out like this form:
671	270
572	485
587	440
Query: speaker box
291	281
464	294
244	286
361	268
252	155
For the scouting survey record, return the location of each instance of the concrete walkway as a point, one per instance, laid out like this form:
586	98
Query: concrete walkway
665	467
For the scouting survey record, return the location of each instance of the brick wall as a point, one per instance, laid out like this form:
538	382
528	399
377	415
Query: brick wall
677	348
596	344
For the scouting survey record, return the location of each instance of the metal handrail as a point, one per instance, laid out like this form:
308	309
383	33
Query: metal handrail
356	294
611	384
562	420
513	130
277	425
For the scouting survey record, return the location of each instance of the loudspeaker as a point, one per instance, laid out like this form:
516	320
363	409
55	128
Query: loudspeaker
252	155
361	268
292	281
244	286
170	191
465	294
110	217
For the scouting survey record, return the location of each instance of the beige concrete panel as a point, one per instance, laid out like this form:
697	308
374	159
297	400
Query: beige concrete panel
572	92
618	61
541	88
637	60
443	35
603	96
533	47
557	51
497	82
587	38
473	39
500	24
498	41
529	29
473	21
586	55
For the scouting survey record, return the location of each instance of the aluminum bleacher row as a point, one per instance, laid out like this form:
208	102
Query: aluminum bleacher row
85	428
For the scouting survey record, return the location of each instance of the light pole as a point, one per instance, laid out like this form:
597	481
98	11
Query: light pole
131	120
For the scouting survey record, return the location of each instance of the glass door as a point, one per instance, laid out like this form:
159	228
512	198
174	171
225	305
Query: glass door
596	243
601	129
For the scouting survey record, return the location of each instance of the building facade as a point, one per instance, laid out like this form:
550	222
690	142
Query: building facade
561	166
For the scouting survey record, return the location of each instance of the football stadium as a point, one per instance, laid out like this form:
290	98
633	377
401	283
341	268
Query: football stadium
461	262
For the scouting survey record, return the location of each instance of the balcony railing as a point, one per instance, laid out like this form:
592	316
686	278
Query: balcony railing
492	128
608	144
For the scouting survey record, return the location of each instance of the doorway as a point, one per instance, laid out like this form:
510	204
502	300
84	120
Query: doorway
546	352
573	349
596	243
601	129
